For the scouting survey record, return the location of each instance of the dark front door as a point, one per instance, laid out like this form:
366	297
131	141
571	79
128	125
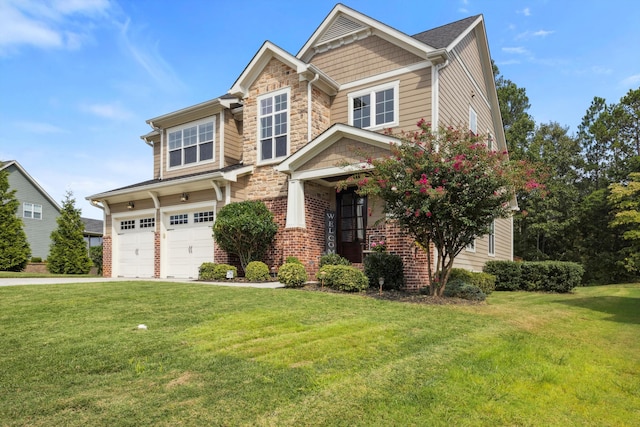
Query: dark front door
352	225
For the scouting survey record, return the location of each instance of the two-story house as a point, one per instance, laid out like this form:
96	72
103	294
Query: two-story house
39	212
283	133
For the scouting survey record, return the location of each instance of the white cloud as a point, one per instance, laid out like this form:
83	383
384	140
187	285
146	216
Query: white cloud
107	111
542	33
149	59
46	24
526	11
631	80
39	128
601	70
516	50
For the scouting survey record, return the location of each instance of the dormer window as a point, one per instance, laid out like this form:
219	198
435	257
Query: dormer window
374	108
191	143
273	125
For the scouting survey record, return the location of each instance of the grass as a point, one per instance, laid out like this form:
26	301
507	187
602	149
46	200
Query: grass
72	355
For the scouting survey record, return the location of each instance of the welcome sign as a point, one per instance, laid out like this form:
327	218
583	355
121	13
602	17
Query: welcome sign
330	232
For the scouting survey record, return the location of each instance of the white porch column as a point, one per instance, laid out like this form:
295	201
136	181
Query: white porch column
295	204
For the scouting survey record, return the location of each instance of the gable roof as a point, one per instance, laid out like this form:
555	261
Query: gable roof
445	35
343	25
335	133
33	182
260	60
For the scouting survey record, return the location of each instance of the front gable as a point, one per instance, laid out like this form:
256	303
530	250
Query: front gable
337	152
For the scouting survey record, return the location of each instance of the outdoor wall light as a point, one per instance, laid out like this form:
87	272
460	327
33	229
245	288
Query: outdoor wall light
184	197
130	205
381	282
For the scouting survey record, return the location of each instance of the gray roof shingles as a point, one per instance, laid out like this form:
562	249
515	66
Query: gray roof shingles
442	37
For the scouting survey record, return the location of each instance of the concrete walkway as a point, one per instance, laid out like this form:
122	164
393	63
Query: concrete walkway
57	281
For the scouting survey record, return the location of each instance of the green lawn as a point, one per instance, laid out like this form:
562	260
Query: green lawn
72	355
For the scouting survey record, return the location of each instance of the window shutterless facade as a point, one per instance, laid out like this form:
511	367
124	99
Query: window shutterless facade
374	108
192	143
32	210
273	125
492	239
473	120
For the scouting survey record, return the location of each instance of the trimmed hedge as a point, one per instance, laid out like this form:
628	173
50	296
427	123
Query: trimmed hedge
484	281
389	266
333	259
257	271
549	276
211	271
292	275
344	278
292	260
507	274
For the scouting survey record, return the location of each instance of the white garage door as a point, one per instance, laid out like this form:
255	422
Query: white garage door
135	253
189	243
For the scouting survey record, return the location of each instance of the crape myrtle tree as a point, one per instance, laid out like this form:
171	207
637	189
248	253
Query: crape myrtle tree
68	251
245	229
14	247
444	187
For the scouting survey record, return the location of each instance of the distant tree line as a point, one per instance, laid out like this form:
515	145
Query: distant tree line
590	213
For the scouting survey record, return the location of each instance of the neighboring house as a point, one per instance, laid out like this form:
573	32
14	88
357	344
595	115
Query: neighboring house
92	232
281	134
38	210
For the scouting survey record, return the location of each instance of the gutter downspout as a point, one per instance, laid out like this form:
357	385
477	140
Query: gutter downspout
435	93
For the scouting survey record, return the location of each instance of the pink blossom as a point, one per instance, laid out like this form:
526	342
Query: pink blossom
428	214
417	213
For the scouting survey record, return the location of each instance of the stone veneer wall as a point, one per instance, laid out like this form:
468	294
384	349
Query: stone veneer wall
106	256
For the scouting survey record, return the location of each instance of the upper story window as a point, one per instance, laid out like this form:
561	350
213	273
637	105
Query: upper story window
473	120
191	143
273	125
375	107
32	210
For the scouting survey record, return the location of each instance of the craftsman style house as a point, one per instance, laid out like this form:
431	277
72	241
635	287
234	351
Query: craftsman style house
283	133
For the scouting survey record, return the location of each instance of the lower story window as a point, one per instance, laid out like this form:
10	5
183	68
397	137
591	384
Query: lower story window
203	217
179	219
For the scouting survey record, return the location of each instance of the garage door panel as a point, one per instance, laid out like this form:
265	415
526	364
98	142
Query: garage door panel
188	245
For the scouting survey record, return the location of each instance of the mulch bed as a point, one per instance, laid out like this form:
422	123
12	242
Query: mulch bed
389	295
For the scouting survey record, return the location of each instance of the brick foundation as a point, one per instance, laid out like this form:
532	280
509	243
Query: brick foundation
107	263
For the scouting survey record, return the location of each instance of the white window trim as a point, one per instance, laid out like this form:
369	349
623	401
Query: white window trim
473	120
33	210
273	94
471	247
188	125
492	235
395	85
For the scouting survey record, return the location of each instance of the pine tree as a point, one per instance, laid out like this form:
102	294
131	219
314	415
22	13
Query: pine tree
68	254
14	247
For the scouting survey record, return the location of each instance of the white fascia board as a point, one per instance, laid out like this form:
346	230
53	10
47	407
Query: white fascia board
257	64
381	30
466	32
32	181
331	136
176	115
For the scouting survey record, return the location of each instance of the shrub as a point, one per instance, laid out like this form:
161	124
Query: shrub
36	259
485	281
333	259
344	278
389	266
95	252
292	275
292	260
507	274
550	276
211	271
457	288
245	229
257	271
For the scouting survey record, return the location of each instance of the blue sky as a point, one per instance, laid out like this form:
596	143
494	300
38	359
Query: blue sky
78	78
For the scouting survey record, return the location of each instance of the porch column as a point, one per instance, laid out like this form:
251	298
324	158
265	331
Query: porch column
295	204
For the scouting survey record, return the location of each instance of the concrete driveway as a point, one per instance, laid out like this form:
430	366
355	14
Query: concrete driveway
57	281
